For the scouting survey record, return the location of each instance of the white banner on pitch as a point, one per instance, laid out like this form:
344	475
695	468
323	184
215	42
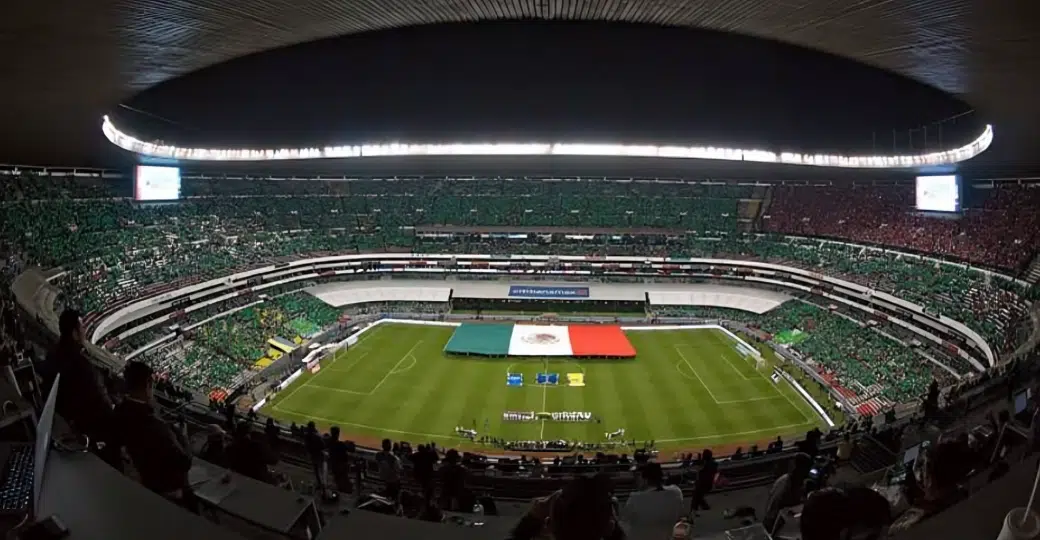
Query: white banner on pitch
532	340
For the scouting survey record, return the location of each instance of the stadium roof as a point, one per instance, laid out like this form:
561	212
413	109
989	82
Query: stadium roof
66	65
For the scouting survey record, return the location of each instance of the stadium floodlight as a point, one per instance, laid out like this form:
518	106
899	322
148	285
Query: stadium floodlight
160	150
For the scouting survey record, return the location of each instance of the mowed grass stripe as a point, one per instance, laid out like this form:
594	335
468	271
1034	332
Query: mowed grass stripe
765	406
711	418
636	403
740	365
364	377
789	407
517	399
580	398
711	366
310	394
603	399
493	383
428	382
694	411
470	400
373	370
685	405
744	412
786	392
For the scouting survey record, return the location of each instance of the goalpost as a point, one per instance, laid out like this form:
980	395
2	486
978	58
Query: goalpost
752	353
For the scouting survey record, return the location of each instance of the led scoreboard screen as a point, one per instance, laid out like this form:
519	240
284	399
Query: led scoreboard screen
939	193
153	183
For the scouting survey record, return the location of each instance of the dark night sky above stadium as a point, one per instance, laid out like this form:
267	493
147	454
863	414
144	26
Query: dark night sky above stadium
521	81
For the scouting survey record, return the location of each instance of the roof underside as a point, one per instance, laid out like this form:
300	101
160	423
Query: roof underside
68	63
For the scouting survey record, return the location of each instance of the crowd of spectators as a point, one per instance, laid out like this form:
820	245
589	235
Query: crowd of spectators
147	246
998	229
213	355
852	355
114	249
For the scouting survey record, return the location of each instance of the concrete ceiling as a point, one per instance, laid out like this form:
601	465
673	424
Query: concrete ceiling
66	63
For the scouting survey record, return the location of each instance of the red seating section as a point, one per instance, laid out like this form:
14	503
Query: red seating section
1003	232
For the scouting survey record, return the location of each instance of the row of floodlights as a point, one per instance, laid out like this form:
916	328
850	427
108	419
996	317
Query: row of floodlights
160	150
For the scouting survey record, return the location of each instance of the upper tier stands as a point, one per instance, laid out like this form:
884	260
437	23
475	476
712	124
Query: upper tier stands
1001	228
114	249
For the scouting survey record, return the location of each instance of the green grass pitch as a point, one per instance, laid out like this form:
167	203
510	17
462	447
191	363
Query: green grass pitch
686	389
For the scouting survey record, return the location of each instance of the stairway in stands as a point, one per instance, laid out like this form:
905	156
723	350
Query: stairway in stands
747	213
764	194
1032	273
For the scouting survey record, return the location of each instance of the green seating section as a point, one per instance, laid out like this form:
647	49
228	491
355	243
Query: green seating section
988	306
194	367
856	357
116	249
225	347
703	312
244	334
851	352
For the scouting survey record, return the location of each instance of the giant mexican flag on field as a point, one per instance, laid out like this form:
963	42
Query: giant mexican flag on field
540	340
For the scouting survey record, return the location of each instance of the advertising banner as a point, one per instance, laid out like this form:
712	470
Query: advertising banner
528	291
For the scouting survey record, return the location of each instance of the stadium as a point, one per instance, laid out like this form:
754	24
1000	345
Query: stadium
463	286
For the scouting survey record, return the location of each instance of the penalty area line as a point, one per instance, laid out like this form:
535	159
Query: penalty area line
393	370
694	371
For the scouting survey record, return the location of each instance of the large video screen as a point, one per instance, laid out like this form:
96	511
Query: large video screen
154	183
939	193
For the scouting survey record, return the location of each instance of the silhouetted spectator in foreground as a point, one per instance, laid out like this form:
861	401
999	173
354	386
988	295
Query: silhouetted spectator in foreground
316	451
389	470
160	454
453	482
833	514
339	461
945	468
273	433
423	461
82	399
656	509
215	448
787	490
583	510
249	456
704	482
844	452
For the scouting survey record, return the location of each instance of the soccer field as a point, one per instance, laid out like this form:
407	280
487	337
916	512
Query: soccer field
685	389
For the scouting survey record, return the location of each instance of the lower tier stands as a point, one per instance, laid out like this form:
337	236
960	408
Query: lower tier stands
854	356
211	357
